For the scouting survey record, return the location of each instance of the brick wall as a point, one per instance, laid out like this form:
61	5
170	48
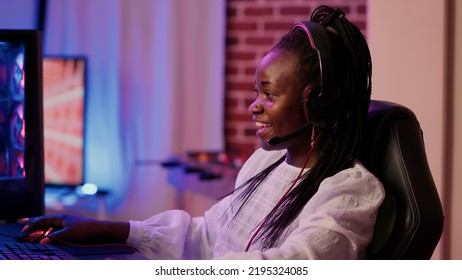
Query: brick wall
253	27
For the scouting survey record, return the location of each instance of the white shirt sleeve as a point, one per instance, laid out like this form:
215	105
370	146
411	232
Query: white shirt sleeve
174	234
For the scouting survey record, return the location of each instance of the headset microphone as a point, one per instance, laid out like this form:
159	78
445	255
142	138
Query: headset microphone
278	140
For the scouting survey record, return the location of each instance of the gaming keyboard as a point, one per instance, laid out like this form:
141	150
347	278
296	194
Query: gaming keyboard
32	251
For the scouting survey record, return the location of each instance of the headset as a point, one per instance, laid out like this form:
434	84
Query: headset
319	96
319	103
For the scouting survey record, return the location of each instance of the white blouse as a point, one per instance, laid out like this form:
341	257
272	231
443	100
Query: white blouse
337	222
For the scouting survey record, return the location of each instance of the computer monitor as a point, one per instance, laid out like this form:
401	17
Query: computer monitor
64	90
21	125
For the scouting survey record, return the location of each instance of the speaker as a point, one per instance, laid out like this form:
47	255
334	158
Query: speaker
320	105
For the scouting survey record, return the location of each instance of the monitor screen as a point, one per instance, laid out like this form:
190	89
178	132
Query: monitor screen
21	125
64	85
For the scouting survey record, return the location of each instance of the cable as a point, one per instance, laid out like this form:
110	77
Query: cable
263	222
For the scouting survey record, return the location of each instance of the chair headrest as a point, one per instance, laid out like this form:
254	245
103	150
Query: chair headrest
381	115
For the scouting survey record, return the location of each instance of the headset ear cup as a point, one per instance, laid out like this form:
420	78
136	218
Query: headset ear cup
311	94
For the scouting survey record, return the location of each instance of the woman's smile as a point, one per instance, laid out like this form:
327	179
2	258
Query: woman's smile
262	129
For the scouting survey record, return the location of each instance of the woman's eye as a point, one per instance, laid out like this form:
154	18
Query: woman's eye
270	94
267	94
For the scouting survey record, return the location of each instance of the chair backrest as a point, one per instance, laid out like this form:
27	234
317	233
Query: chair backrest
410	221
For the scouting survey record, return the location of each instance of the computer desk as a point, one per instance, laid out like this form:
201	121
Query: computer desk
9	231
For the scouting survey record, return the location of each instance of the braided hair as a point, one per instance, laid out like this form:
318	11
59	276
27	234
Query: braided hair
341	138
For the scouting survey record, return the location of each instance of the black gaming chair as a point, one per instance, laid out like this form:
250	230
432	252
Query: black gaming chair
410	221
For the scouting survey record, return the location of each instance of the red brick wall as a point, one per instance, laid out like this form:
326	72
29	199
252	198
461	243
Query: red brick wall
253	27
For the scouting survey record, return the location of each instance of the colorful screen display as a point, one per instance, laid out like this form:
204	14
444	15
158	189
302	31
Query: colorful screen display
12	127
63	112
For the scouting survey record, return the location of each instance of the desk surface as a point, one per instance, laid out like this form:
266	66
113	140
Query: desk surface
9	231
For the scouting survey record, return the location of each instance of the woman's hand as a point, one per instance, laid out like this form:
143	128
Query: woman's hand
77	229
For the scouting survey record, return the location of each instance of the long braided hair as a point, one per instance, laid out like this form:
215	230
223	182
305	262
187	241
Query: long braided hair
342	138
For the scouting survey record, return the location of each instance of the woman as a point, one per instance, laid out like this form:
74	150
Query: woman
303	195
